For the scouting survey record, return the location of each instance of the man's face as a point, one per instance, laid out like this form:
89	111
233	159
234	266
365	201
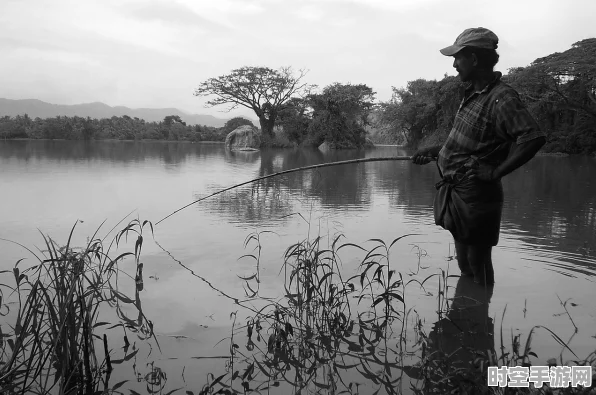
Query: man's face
464	65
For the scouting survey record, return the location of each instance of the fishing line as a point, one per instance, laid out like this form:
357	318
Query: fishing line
342	162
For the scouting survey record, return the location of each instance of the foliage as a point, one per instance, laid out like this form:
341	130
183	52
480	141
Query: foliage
326	334
338	115
234	123
53	345
119	128
560	91
260	89
315	339
422	108
294	119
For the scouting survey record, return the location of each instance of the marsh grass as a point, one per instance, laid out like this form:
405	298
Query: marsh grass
55	341
327	333
334	335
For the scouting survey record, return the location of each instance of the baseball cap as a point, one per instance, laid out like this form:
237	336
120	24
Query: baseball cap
478	37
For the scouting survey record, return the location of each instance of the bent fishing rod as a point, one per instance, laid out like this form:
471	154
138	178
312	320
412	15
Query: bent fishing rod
338	163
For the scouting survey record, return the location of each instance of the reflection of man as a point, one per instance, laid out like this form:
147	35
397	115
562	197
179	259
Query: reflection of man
479	151
456	338
467	326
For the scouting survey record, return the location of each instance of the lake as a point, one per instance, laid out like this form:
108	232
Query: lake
545	263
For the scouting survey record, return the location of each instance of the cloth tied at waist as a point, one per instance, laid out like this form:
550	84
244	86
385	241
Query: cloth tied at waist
469	209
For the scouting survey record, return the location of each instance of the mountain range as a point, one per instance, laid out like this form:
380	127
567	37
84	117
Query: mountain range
37	108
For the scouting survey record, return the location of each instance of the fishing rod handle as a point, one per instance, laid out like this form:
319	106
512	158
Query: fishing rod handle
430	158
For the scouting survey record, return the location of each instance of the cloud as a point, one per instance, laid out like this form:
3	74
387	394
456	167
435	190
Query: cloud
153	53
171	13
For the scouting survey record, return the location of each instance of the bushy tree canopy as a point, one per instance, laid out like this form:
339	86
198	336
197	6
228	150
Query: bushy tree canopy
236	122
261	89
560	91
423	107
339	115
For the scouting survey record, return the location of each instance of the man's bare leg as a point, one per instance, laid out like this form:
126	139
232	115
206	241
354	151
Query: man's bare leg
476	261
480	259
463	262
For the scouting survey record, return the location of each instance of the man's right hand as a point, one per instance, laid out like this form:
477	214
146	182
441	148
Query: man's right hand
423	156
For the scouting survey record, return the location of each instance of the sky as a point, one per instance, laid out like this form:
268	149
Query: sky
155	53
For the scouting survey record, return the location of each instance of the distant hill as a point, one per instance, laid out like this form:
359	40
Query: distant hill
37	108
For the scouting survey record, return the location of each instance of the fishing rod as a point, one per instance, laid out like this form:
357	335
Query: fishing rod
341	162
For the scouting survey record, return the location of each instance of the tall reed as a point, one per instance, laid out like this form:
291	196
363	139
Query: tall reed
56	343
329	334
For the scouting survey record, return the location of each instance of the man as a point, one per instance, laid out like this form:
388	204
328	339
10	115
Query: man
493	134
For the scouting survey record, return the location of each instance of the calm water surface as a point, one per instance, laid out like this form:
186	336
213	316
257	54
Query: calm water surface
546	251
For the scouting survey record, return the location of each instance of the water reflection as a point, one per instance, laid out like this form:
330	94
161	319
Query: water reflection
550	204
466	326
170	153
460	333
554	198
549	221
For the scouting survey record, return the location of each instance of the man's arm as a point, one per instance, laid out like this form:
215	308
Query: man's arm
519	156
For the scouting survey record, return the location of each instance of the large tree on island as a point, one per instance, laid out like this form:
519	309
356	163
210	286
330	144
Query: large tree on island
261	89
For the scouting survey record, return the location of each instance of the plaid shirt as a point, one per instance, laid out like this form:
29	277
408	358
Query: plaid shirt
486	125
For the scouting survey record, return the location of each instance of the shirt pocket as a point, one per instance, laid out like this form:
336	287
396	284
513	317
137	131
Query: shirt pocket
483	129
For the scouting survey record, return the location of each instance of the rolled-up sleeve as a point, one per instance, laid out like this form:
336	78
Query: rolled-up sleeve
515	121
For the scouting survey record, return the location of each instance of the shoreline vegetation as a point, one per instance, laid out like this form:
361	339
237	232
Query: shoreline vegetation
330	333
557	89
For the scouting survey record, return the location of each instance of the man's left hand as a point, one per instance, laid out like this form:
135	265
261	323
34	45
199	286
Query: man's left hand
482	172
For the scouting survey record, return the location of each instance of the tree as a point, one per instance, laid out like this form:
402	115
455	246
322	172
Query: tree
570	75
173	119
295	119
234	123
261	89
560	91
340	113
88	130
422	108
412	110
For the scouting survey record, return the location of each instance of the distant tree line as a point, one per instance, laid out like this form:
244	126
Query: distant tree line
172	128
558	89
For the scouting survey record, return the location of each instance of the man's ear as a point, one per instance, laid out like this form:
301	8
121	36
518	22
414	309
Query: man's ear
474	59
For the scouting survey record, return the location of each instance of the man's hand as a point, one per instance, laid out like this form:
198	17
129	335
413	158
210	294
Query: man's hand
424	156
480	171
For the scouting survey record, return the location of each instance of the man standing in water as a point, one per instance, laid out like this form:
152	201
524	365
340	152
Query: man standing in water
493	134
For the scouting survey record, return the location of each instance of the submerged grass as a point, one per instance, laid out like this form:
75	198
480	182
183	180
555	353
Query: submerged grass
327	334
334	335
54	344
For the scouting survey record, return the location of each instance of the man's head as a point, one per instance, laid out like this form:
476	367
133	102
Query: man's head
474	51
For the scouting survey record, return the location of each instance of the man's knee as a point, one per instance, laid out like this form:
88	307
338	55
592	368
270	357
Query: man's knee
481	263
479	254
461	251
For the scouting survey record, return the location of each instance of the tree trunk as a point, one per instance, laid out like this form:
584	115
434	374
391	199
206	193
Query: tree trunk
267	125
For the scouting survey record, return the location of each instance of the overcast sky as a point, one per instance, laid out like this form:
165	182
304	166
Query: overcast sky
154	53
